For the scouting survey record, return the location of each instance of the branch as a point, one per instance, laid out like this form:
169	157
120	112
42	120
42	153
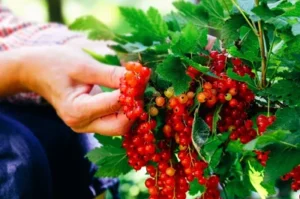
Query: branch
262	53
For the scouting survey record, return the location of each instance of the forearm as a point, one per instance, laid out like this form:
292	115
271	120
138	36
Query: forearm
10	71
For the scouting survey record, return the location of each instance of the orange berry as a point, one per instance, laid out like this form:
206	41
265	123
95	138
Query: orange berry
167	130
190	94
207	86
160	101
129	66
201	97
170	171
173	102
183	98
153	111
232	91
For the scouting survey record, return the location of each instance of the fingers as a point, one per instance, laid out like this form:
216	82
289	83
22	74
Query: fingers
211	41
99	105
111	125
93	72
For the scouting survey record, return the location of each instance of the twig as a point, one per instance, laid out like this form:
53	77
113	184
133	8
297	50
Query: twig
245	17
262	53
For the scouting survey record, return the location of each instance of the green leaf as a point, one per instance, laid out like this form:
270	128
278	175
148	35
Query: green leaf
294	11
256	178
190	62
235	146
175	21
109	140
280	137
173	71
231	30
249	46
95	28
263	12
237	188
214	8
235	52
106	59
200	131
287	95
213	143
293	47
150	92
148	27
192	13
281	161
216	158
106	89
287	119
247	6
216	118
112	161
245	78
157	22
195	188
189	39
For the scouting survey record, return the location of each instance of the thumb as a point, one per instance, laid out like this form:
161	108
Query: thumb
98	73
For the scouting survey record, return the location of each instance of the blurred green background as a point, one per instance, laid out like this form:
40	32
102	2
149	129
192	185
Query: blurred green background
66	11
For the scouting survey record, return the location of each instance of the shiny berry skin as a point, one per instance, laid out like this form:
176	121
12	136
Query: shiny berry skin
153	111
160	101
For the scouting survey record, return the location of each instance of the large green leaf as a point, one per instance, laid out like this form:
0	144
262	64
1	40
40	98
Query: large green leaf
293	11
231	30
287	119
172	70
115	141
195	187
284	90
193	13
112	161
214	9
148	27
189	40
281	161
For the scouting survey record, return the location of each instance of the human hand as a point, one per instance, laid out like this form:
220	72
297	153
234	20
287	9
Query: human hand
64	76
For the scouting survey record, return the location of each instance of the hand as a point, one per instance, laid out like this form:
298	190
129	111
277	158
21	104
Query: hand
64	76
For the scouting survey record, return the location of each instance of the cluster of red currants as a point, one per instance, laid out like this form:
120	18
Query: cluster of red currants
263	122
170	175
262	157
295	176
132	89
234	96
170	158
212	190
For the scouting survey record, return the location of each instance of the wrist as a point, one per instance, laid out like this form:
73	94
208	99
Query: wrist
10	72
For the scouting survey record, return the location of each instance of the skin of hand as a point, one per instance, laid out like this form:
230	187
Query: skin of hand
66	77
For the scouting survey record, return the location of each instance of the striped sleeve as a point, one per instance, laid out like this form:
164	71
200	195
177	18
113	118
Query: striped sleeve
15	33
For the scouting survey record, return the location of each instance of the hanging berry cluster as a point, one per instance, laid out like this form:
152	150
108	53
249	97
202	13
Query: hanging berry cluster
234	96
295	176
167	152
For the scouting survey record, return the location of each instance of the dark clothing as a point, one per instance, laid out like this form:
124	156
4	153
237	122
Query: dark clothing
40	157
